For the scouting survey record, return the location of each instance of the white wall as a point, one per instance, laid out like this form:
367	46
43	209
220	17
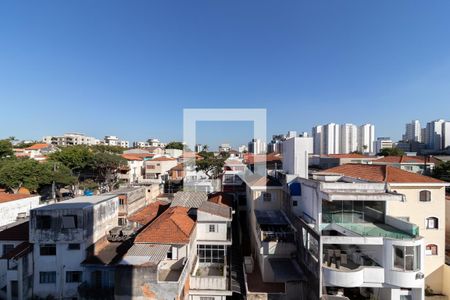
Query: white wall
9	210
295	155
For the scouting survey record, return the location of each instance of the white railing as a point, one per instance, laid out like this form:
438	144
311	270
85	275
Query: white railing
208	283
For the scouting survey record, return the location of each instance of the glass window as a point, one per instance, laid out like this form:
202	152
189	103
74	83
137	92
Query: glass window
212	228
74	247
73	276
267	196
425	195
432	223
69	222
43	222
211	253
431	249
407	258
7	248
48	249
47	277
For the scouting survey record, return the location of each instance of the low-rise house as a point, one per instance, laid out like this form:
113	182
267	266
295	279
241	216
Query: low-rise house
40	149
61	234
16	261
416	164
173	152
334	160
131	199
16	206
158	168
158	263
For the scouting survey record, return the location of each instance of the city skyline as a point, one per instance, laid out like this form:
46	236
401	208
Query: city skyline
130	71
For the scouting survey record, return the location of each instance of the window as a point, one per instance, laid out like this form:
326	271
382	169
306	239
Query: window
47	277
7	248
212	228
432	223
407	258
47	249
425	195
267	196
73	276
211	253
69	222
43	222
121	201
431	249
74	247
206	298
14	289
294	203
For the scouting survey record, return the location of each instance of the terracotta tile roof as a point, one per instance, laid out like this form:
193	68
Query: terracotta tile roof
349	155
137	156
7	197
179	167
19	251
19	232
174	226
250	158
221	198
149	213
403	159
37	146
163	158
381	173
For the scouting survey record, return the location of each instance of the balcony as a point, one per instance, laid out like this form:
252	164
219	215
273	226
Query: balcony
209	276
341	269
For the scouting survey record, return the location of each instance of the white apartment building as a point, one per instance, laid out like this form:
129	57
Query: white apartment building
434	134
366	138
331	138
257	146
71	139
112	140
61	233
349	138
15	207
224	148
413	132
295	155
445	135
383	143
361	244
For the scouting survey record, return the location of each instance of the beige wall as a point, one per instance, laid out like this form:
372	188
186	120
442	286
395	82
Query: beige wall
417	212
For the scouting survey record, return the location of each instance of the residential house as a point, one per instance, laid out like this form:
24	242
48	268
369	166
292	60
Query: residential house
158	168
61	234
334	160
131	199
416	164
16	261
16	206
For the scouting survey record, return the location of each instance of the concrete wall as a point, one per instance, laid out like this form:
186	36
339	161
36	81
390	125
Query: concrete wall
9	210
417	212
295	155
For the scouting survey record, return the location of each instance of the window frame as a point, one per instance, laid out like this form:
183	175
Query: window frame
266	196
432	220
431	248
71	276
47	246
426	196
213	227
48	277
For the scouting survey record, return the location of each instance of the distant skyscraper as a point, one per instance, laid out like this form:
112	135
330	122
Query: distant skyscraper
445	135
366	138
383	143
349	138
434	134
257	146
331	138
413	132
198	148
317	134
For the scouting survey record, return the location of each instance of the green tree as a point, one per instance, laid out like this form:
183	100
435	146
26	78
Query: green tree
106	167
108	149
391	152
442	171
57	173
17	173
175	145
210	164
6	149
76	158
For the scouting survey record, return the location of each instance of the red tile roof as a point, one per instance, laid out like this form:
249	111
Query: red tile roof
250	158
174	226
163	158
18	232
348	155
37	146
137	156
403	159
381	173
149	213
7	197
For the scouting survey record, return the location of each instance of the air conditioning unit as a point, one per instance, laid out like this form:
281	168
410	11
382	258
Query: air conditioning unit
420	275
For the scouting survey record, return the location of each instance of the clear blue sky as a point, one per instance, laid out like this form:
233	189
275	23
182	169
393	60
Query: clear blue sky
130	67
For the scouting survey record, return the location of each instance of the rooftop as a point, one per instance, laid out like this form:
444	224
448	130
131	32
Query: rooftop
404	159
37	146
19	251
189	199
348	155
381	173
140	254
221	198
78	202
174	226
215	209
149	212
108	254
163	158
256	180
7	197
